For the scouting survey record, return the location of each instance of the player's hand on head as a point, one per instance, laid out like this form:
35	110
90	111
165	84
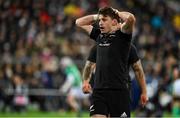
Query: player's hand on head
144	99
86	88
115	10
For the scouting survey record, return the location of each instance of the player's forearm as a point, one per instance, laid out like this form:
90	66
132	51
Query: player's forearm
139	73
86	20
87	73
142	83
128	21
126	16
88	69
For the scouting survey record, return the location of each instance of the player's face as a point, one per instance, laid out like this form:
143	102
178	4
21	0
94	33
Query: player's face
105	24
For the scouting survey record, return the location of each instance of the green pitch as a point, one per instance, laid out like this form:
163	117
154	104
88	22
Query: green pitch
42	114
37	114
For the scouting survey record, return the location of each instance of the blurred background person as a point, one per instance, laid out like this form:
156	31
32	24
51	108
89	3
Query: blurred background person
176	93
72	85
20	99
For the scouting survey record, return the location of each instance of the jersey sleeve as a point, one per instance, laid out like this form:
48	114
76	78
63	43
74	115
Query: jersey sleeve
95	33
124	36
133	55
92	55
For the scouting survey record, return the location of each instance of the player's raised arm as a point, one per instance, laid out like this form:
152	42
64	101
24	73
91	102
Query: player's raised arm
86	22
128	21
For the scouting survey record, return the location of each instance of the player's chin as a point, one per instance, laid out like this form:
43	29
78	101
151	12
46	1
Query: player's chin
86	92
102	31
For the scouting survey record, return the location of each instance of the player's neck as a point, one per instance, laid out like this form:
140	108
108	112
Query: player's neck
113	29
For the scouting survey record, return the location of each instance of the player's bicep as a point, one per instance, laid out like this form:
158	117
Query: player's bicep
87	28
138	70
93	66
90	64
127	26
88	69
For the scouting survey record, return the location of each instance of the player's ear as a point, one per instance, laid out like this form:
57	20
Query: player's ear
114	22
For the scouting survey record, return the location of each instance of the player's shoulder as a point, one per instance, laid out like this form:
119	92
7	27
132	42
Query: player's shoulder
123	35
119	31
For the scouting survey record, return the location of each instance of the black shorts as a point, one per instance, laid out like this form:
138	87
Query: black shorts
113	103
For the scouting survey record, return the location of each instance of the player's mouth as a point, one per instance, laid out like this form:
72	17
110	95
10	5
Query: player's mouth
101	28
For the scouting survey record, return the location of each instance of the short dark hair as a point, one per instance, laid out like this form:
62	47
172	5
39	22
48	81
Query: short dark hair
108	11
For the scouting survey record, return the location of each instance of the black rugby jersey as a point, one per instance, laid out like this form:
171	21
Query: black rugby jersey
112	59
133	57
92	54
92	58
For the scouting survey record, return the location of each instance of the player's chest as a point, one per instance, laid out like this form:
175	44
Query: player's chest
106	40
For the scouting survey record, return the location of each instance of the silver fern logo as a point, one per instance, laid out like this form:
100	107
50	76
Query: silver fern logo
123	115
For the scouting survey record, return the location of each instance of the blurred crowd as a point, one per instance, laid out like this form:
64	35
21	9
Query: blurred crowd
36	34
